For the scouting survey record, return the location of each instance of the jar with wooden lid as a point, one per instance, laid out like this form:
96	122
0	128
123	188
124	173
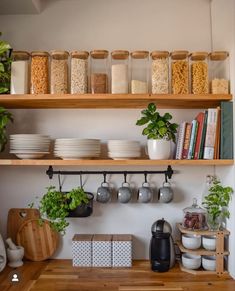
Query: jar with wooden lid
219	72
119	72
59	72
39	72
199	72
139	72
79	72
179	72
99	71
160	72
20	72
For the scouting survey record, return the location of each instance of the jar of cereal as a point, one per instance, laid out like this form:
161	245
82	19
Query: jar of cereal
160	72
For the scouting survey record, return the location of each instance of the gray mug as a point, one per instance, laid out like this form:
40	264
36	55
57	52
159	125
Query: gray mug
165	193
124	193
103	193
145	193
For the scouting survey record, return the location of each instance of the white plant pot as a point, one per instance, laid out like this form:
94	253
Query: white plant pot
159	149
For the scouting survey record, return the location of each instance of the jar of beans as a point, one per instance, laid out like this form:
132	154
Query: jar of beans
179	72
219	72
119	72
59	72
99	71
160	72
194	217
139	72
39	73
199	72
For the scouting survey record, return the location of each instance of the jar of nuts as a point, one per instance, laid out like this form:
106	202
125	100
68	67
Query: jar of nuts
194	217
99	71
59	72
39	73
79	72
160	72
199	72
179	72
219	72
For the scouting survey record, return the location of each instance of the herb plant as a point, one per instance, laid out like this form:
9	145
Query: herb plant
157	126
5	117
5	66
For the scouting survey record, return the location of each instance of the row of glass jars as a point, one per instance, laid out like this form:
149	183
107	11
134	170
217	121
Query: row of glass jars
177	72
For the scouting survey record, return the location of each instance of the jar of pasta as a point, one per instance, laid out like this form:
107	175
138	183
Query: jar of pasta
79	72
39	73
179	72
219	72
59	72
119	72
139	72
160	72
199	72
99	71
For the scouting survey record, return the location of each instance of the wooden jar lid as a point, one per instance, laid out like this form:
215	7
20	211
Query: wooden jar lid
40	53
120	55
159	55
139	54
59	55
99	54
198	56
219	55
179	55
80	54
20	55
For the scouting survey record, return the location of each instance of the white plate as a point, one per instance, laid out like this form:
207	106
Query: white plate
29	135
30	155
28	152
122	155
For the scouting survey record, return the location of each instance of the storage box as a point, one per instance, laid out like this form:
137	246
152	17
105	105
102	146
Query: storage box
82	250
102	250
122	250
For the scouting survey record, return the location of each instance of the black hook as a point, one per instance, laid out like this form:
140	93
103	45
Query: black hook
145	177
166	181
125	174
50	172
60	186
105	174
81	185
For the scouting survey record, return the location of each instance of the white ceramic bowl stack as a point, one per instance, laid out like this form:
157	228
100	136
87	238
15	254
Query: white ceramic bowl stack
29	146
74	148
124	149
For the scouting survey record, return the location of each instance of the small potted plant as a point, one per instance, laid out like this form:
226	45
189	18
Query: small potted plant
159	130
5	117
5	66
216	203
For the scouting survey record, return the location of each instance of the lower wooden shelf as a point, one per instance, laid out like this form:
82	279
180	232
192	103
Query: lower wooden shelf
199	271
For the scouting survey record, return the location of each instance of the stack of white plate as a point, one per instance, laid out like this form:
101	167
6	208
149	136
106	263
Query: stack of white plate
123	149
74	148
29	146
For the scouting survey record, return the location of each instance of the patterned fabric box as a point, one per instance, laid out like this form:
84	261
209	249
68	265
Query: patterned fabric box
82	250
122	250
102	250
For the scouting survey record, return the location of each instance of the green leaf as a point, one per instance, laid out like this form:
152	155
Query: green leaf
167	116
152	107
2	69
4	47
146	131
161	123
163	131
142	121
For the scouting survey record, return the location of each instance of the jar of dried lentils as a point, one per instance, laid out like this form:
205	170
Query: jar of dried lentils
160	72
39	73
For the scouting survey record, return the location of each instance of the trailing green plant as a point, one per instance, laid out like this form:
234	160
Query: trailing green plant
5	117
157	126
5	66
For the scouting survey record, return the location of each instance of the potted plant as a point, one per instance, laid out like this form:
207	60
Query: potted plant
5	117
216	204
5	67
159	130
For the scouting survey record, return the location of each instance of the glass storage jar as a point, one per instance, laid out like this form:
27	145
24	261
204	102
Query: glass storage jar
160	72
20	72
99	71
119	72
39	72
199	72
139	72
194	217
59	72
179	72
219	72
79	72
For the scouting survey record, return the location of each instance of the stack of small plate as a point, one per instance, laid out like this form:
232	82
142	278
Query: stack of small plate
124	149
74	148
29	146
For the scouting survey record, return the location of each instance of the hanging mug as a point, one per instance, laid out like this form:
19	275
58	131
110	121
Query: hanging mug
165	193
103	193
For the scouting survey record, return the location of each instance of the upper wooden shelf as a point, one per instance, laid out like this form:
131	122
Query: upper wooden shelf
112	100
201	232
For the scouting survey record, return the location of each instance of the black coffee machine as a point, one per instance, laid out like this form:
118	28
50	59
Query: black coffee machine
162	251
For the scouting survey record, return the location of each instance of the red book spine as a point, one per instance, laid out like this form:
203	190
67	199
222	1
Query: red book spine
186	140
200	118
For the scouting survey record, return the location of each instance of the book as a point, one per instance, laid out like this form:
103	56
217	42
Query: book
186	140
200	119
217	136
226	131
192	139
180	141
201	151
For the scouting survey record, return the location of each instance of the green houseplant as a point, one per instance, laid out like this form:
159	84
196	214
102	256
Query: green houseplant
159	131
5	66
5	117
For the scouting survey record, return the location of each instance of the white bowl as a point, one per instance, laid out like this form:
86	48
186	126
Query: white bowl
209	242
209	263
190	261
191	241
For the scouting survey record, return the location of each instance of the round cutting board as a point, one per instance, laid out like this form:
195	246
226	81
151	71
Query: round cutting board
39	242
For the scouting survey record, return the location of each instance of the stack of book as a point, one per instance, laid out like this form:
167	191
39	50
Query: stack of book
209	136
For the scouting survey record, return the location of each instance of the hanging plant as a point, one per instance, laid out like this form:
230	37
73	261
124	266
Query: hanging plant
5	66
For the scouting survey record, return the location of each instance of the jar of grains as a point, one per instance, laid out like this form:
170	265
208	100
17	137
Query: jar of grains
59	72
139	72
39	73
160	72
99	71
119	72
79	72
219	72
20	72
179	72
199	72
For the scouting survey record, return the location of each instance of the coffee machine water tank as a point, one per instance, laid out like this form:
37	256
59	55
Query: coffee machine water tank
3	258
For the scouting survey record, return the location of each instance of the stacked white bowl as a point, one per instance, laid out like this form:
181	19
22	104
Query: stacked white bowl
29	146
124	149
75	148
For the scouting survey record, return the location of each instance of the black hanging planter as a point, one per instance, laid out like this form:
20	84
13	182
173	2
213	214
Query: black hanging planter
84	209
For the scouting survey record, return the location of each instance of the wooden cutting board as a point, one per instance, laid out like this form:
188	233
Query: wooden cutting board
18	216
39	242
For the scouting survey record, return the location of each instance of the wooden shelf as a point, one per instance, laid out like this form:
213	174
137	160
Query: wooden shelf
112	100
201	232
200	271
